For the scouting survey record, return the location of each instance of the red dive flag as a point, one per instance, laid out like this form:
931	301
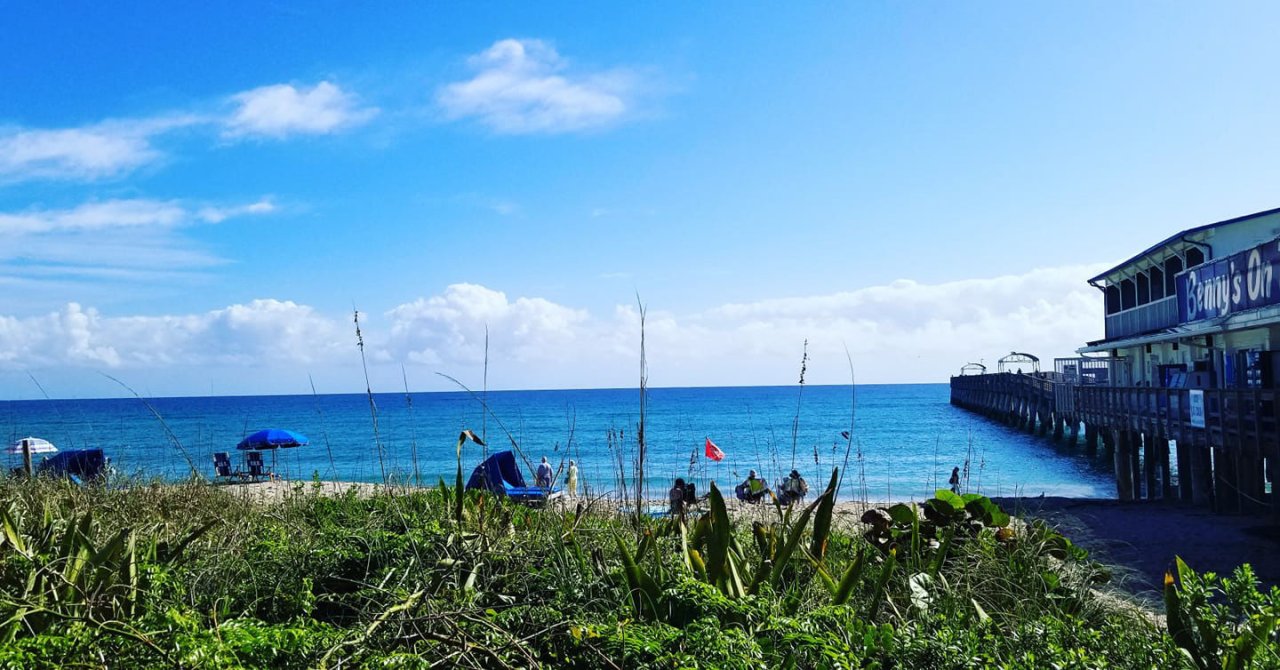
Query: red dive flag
713	452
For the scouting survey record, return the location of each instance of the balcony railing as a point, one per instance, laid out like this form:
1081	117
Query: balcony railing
1162	313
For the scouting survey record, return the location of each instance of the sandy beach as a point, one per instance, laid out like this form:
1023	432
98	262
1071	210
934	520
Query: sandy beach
1141	539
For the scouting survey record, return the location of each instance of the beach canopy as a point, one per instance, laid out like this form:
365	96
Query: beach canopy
501	474
272	438
78	464
34	444
496	473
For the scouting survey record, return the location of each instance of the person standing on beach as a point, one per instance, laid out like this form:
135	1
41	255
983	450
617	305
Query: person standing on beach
542	477
955	480
571	481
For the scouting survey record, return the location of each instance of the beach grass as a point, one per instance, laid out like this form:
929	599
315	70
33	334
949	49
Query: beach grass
193	575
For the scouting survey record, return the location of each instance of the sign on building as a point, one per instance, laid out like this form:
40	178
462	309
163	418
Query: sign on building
1197	408
1246	280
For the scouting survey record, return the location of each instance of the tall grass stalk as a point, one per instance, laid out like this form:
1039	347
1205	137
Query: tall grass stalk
515	446
413	432
368	389
324	431
853	415
641	447
163	424
484	386
795	420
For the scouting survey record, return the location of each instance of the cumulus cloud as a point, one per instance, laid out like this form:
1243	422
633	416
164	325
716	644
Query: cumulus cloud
450	328
523	86
282	110
900	332
263	331
106	149
905	330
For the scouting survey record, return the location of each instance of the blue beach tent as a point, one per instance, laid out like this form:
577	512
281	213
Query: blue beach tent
500	474
76	464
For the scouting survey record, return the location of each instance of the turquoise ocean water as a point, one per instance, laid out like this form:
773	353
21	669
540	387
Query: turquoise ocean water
908	435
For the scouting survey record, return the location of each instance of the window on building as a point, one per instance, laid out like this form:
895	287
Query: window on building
1194	257
1171	268
1113	299
1157	283
1144	289
1128	294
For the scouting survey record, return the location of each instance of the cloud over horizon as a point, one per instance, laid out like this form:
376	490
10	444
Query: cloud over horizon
903	331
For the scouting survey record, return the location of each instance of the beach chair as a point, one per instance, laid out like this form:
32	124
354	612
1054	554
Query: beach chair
222	466
257	468
752	492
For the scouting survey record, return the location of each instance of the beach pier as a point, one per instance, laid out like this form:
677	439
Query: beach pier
1151	436
1181	393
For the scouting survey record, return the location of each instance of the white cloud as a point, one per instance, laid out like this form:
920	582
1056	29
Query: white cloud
450	327
116	147
521	86
264	331
282	110
91	152
98	247
120	214
901	332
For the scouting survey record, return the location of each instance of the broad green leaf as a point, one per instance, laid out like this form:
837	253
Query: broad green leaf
720	533
919	584
902	514
850	580
946	496
822	521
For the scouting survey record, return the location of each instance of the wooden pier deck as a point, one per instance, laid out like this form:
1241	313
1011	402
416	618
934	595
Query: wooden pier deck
1157	450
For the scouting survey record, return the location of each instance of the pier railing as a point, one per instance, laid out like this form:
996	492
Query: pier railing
1235	419
1225	463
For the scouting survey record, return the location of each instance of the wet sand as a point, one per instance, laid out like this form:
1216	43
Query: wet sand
1141	539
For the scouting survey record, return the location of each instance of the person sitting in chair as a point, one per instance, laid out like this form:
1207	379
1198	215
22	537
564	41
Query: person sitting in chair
676	497
753	489
794	488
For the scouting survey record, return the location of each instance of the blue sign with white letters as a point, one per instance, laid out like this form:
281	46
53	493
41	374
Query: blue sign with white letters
1239	282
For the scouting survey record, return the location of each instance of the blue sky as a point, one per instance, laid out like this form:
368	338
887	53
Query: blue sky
193	201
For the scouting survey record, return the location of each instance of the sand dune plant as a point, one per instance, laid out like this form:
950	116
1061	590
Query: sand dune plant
393	579
58	573
1222	622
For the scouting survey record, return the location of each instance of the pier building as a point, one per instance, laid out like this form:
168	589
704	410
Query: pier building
1182	388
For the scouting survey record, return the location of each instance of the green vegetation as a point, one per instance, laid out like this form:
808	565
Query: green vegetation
190	576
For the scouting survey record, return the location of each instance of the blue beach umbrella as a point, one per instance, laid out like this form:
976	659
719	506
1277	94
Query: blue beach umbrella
272	438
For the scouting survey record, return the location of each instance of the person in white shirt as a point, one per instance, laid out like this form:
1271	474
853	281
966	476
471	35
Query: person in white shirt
571	482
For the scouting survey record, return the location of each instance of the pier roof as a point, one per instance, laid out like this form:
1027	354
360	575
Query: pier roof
1179	235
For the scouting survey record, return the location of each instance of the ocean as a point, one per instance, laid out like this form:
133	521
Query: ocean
906	437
